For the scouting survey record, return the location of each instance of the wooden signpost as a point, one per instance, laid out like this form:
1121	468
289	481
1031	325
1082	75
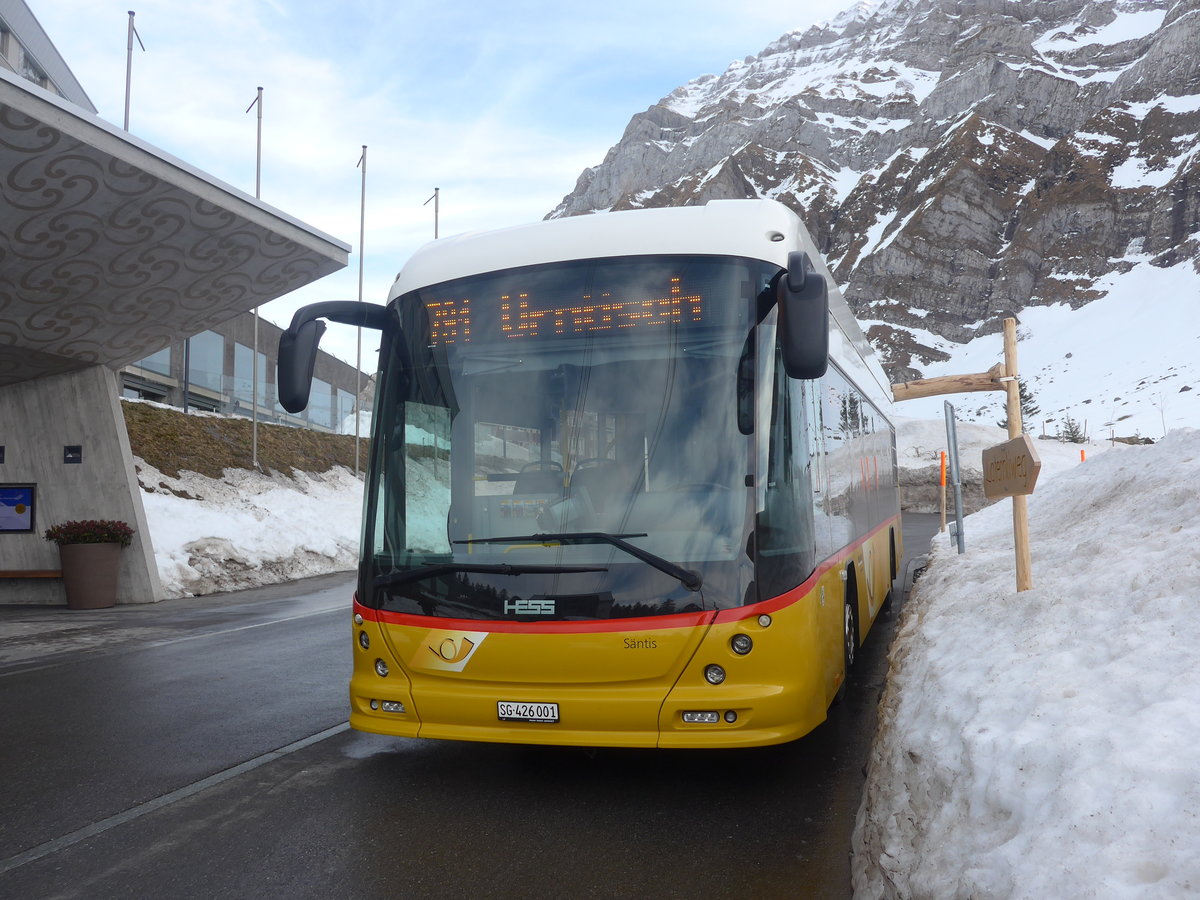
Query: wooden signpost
1015	430
1010	469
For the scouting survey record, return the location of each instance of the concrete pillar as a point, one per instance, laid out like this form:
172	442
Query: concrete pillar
38	419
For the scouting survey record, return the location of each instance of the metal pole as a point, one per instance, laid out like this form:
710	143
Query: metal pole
436	200
254	358
362	234
129	66
258	155
254	396
955	479
187	371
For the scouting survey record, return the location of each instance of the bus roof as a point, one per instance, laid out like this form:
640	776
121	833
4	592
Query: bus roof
751	229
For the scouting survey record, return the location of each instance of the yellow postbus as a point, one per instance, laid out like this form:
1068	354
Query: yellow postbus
632	483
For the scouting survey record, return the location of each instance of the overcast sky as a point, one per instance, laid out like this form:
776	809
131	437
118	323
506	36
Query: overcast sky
500	105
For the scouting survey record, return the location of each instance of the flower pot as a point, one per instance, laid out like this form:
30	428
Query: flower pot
89	574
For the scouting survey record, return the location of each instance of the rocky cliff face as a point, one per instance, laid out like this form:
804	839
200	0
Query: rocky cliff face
956	160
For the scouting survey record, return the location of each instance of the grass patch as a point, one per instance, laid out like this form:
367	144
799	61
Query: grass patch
173	442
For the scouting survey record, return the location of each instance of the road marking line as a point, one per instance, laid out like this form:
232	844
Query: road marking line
61	843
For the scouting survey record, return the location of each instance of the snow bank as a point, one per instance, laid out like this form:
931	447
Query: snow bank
249	529
919	443
1046	744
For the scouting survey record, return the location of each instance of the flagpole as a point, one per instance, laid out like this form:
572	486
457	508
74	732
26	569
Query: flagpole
129	63
362	229
258	101
435	199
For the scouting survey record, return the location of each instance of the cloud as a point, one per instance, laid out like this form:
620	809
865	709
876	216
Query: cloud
501	106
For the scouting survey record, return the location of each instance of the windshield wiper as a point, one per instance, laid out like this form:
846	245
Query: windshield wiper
689	578
430	571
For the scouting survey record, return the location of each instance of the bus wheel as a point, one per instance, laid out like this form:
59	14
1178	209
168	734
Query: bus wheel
849	644
849	635
886	605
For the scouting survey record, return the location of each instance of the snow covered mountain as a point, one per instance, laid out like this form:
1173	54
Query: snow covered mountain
960	161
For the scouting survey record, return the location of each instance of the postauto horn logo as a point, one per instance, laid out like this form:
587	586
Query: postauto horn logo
449	651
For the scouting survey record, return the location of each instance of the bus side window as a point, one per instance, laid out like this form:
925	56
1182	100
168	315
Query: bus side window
785	527
745	386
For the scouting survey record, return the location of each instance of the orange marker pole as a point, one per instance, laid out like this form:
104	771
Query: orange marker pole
1083	456
942	482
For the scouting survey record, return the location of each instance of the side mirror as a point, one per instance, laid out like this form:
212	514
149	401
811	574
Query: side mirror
297	358
804	318
298	344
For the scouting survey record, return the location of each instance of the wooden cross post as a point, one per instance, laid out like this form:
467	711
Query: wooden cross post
1010	470
1015	430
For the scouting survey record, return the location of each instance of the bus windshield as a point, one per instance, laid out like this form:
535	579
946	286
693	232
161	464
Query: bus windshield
567	442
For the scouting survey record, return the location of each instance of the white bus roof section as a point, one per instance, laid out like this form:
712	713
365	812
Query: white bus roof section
750	229
113	249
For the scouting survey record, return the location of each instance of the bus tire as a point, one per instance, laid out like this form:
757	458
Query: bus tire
892	552
886	606
849	636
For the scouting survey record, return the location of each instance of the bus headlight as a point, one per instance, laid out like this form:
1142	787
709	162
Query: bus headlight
741	644
714	674
364	640
381	668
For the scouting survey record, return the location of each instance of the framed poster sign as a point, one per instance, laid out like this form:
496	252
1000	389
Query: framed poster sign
18	503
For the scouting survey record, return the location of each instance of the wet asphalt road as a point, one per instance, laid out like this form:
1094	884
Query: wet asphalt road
198	749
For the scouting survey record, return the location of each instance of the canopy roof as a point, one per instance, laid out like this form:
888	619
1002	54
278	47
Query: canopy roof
111	249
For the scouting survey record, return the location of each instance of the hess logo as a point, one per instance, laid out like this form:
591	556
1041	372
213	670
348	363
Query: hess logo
529	607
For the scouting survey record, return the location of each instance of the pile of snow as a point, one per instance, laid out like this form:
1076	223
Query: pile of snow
1046	743
920	443
249	529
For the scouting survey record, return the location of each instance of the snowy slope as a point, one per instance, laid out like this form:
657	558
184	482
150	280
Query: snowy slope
1046	744
962	161
1127	364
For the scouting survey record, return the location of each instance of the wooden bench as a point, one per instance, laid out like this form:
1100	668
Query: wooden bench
30	573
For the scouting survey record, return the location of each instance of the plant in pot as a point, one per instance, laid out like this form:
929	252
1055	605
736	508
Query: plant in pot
91	557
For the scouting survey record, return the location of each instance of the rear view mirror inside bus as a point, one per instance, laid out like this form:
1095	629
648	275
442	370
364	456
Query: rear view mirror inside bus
804	318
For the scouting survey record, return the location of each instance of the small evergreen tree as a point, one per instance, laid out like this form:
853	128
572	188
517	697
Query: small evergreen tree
1029	409
1071	431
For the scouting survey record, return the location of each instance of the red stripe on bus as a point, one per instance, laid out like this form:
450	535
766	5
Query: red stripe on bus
644	623
798	593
